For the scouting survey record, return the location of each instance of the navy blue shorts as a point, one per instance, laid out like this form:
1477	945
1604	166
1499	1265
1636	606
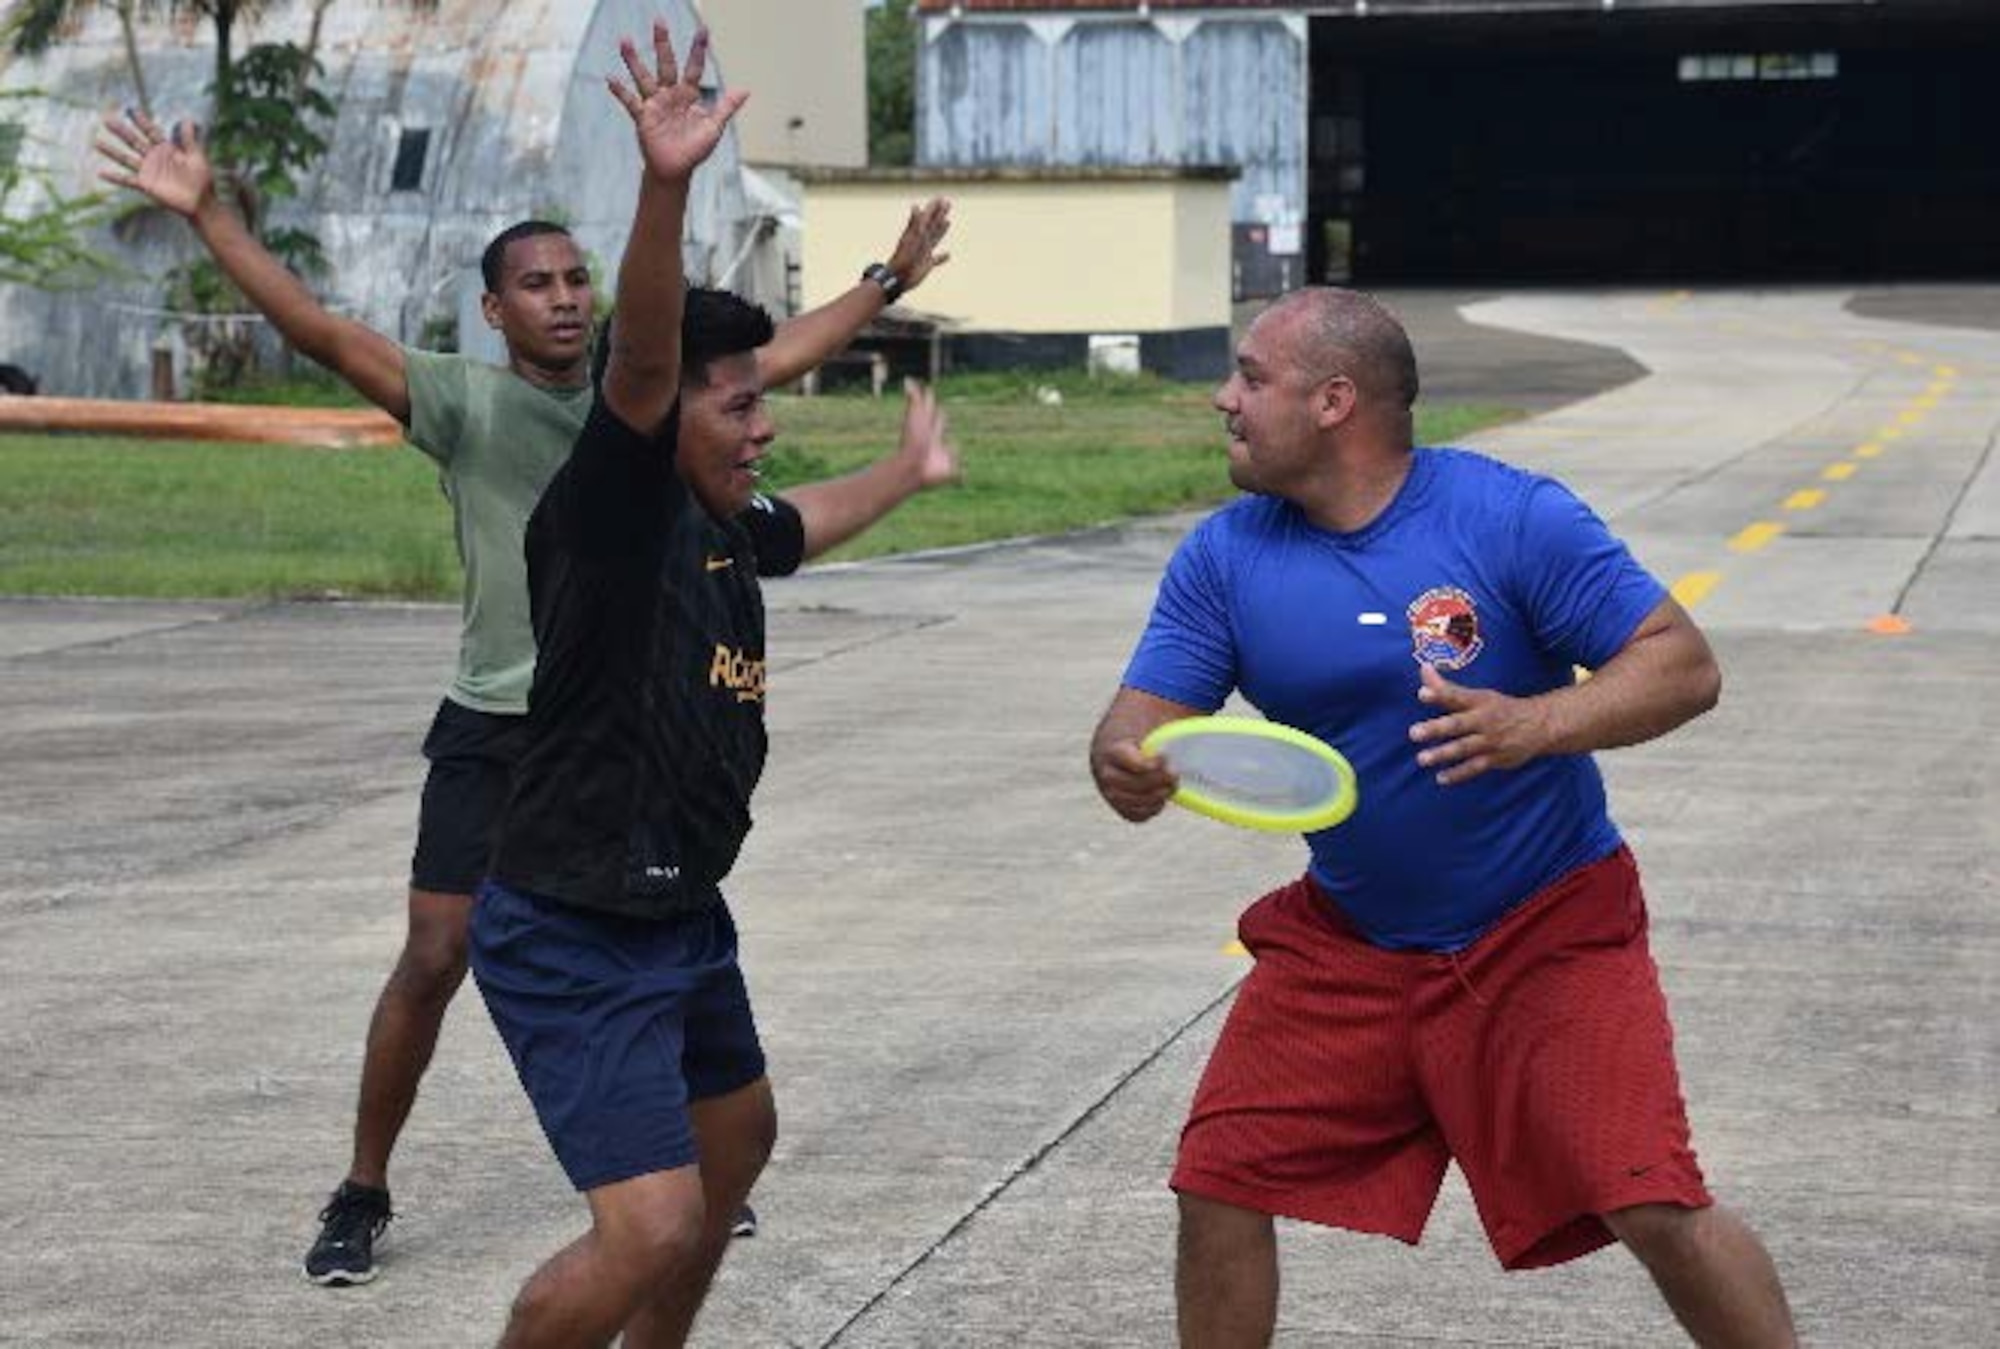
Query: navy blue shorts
615	1025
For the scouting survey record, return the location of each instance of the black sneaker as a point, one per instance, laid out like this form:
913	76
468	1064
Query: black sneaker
345	1252
745	1224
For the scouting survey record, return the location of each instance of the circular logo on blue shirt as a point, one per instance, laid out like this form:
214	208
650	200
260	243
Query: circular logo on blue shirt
1444	628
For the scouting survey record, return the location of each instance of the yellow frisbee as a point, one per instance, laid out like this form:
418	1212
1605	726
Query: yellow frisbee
1256	774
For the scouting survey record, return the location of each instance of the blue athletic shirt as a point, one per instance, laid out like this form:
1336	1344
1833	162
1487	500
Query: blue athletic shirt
1498	577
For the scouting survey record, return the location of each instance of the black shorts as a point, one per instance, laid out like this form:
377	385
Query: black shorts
472	758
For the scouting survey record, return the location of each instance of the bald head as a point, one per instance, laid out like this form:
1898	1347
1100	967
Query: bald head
1343	332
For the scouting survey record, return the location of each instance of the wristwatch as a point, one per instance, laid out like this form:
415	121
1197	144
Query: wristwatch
879	273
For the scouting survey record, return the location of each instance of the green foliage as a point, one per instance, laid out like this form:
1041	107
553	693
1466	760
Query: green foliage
264	120
224	348
892	83
439	333
308	386
298	249
42	245
35	24
263	139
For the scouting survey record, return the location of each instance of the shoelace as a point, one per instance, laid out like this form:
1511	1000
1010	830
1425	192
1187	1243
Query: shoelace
348	1215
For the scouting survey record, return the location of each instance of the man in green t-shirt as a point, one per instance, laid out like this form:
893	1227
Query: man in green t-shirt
498	433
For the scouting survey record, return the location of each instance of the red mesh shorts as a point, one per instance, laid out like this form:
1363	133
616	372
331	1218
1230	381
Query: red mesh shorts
1540	1058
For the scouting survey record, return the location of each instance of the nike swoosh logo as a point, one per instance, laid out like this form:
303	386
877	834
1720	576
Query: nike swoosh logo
719	563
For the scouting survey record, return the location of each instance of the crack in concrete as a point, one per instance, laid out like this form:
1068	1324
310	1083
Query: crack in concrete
1950	516
1028	1164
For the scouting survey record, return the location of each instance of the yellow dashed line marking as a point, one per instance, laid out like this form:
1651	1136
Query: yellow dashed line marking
1909	417
1753	537
1236	948
1946	372
1937	390
1872	450
1693	588
1909	358
1839	472
1889	433
1926	402
1804	499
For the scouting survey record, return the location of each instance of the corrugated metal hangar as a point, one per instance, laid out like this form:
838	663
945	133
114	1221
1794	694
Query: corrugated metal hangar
1530	140
456	120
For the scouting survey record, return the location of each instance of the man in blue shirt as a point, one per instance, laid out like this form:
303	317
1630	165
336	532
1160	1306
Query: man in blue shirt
1462	974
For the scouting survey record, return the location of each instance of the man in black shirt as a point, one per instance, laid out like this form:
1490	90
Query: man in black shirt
647	716
601	942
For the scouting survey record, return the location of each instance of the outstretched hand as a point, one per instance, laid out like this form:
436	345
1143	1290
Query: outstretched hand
916	254
171	169
676	130
1482	729
924	446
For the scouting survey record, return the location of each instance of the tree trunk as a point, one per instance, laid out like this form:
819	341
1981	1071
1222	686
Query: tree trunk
224	16
312	34
312	53
125	27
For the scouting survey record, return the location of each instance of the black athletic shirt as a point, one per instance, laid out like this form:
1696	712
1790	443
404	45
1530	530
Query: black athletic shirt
646	718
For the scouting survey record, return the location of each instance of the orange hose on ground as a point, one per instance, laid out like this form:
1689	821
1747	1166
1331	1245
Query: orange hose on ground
328	428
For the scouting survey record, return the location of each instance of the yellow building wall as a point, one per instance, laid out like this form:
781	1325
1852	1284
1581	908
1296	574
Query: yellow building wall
805	65
1202	260
1037	255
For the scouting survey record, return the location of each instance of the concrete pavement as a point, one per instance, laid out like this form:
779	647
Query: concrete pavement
985	1000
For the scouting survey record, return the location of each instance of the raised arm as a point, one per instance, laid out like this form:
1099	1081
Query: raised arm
1663	677
173	170
676	133
804	343
835	510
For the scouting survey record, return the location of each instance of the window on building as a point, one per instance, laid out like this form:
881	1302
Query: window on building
1791	66
411	149
1730	66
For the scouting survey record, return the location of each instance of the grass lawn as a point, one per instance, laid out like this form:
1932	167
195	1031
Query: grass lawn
83	515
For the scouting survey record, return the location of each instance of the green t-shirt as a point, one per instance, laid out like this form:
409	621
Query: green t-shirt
497	440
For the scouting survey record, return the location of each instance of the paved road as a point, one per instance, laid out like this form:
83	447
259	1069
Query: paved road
1959	306
986	1001
1465	361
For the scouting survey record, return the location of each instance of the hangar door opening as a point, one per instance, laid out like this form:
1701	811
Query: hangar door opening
1654	147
